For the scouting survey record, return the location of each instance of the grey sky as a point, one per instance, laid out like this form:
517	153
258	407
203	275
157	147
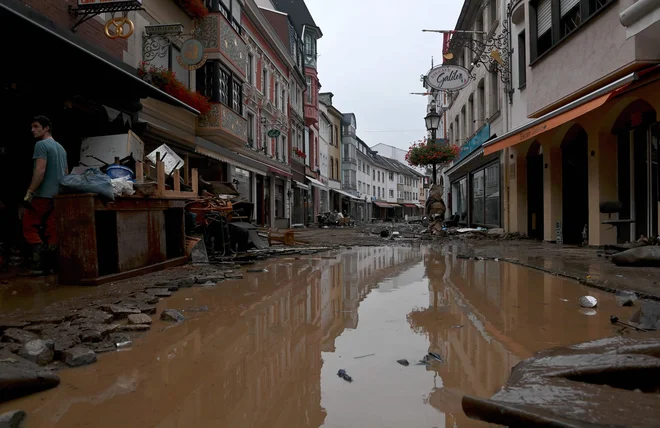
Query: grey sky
371	57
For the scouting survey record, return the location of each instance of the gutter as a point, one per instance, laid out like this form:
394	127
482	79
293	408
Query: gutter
632	77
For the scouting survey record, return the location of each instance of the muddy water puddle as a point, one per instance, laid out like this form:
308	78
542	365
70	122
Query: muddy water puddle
267	351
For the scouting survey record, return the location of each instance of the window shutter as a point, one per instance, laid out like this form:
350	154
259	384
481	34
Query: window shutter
566	5
543	17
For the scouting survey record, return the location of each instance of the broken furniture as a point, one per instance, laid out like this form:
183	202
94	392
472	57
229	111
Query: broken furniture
102	241
286	238
613	207
244	237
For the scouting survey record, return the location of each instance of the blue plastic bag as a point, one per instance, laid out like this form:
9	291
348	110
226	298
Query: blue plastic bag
90	181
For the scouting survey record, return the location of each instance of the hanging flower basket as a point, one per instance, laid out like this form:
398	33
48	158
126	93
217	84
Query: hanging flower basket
299	153
428	153
166	80
194	8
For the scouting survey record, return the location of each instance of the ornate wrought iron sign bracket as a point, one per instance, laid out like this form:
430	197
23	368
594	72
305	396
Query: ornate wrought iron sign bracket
88	9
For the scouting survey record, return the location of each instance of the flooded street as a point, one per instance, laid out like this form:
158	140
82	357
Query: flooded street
267	351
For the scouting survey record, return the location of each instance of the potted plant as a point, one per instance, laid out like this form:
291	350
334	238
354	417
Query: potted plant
166	80
194	8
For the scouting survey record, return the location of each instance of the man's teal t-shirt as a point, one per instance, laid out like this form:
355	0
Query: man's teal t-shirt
55	156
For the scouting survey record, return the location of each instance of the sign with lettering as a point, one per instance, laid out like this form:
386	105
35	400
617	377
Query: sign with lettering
475	142
164	29
274	133
192	55
448	77
82	4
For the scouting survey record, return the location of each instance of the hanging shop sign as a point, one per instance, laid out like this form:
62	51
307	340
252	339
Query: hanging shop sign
475	142
119	28
448	77
274	133
164	30
192	55
92	4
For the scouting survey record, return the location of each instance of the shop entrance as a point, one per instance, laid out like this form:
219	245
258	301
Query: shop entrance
637	170
535	191
575	185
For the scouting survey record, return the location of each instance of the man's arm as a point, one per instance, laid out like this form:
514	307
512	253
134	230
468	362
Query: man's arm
38	174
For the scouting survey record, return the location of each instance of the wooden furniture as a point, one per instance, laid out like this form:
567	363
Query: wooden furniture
161	190
286	238
102	241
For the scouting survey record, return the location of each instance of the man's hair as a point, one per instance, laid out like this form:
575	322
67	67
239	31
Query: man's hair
43	121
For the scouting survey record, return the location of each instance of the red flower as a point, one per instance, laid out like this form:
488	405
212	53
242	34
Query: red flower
194	8
166	80
427	153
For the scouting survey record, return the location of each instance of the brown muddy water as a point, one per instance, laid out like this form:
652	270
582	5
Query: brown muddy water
267	352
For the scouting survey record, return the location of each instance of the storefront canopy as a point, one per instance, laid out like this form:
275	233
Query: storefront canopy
558	117
300	185
74	60
348	195
410	205
383	205
314	182
214	151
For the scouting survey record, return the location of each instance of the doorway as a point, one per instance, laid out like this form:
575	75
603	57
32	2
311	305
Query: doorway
535	191
575	185
260	200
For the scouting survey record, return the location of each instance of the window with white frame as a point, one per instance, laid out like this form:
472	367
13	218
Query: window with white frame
391	193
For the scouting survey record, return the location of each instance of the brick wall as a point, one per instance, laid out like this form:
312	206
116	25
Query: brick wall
91	30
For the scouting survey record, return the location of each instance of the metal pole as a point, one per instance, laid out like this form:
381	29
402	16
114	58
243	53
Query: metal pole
433	138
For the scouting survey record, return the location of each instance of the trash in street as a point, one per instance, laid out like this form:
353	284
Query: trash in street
363	356
436	357
125	344
564	300
257	270
625	298
403	362
342	374
588	302
616	320
589	312
457	326
430	358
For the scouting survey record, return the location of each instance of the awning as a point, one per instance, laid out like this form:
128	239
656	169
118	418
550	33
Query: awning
99	65
410	205
314	182
214	151
639	16
383	205
396	206
281	173
300	185
558	117
420	206
348	195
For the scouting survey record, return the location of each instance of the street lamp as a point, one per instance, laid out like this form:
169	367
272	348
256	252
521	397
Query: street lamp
432	120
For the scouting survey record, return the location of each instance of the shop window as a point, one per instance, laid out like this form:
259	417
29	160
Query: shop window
243	183
279	199
459	199
478	197
492	206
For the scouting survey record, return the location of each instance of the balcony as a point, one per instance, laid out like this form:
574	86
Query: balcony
222	40
222	124
311	115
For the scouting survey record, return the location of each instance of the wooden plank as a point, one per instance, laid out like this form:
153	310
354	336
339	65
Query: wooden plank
132	240
130	203
195	182
139	172
160	176
180	194
186	170
76	232
179	261
156	237
177	180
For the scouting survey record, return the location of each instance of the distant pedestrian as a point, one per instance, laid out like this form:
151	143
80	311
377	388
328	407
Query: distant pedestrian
50	165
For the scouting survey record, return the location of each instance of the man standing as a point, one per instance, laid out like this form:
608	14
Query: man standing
50	165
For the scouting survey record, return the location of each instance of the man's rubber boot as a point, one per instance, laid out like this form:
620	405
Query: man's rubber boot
50	259
36	267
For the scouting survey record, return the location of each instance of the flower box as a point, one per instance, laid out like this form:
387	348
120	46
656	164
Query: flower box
166	80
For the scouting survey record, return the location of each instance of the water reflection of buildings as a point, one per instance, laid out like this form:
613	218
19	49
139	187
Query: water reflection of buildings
253	360
484	317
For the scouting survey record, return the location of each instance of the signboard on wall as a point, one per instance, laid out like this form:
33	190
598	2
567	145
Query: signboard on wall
475	142
448	77
83	4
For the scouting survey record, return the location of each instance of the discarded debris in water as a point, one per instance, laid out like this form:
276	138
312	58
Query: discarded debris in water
625	298
616	320
588	302
363	356
342	374
403	362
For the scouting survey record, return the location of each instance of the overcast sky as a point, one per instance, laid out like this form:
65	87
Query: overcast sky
372	55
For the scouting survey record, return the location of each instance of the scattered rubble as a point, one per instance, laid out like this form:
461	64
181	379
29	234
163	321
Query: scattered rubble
172	315
78	356
41	352
12	419
646	256
19	377
16	335
139	319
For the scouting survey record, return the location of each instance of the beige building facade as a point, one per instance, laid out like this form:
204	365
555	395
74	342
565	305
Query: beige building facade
584	169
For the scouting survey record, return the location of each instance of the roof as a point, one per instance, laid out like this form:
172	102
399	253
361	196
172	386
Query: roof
299	14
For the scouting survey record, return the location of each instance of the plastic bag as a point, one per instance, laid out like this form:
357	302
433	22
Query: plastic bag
122	186
90	181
